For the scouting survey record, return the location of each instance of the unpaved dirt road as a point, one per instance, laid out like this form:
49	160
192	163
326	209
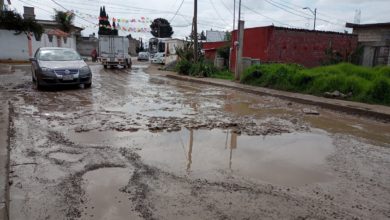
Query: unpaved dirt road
138	145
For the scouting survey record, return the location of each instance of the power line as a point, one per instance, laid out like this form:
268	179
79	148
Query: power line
177	11
293	13
224	5
215	9
250	9
74	14
320	13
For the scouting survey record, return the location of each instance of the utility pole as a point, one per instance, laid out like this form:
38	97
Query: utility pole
195	31
234	15
239	44
315	15
315	18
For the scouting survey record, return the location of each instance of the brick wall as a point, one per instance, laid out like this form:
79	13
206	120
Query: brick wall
308	47
274	44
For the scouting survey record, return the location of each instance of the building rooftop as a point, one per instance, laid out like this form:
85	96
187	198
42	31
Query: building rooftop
372	25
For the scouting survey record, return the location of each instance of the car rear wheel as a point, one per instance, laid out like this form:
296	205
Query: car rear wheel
105	66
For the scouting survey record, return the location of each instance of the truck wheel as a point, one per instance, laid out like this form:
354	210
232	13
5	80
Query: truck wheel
105	66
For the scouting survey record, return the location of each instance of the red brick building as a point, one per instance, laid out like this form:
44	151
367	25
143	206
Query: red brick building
210	48
305	47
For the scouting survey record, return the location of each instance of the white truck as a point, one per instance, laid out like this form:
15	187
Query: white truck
113	51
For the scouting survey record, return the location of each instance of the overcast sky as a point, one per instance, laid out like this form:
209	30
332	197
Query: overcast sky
215	14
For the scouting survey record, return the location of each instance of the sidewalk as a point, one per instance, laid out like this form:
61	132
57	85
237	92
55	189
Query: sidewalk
375	111
4	158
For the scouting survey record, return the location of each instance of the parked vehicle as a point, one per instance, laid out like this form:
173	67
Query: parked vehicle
59	66
159	58
143	56
157	45
114	51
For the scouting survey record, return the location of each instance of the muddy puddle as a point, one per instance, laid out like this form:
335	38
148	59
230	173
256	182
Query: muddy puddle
290	159
104	199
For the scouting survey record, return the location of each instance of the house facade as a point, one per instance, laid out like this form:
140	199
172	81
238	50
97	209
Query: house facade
374	40
21	47
286	45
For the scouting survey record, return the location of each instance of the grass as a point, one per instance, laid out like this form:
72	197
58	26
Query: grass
370	85
223	74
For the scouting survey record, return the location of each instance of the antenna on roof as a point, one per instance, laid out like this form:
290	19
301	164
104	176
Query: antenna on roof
358	15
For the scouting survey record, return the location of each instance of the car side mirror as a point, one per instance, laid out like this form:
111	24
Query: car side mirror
33	59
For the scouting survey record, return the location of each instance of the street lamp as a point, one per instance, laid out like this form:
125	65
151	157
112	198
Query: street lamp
314	13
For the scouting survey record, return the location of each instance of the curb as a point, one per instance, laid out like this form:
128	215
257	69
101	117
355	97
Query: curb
349	107
4	164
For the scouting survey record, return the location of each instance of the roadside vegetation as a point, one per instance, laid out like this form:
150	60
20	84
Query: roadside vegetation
370	85
202	68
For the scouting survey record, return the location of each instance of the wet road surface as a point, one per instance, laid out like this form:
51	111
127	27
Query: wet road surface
140	146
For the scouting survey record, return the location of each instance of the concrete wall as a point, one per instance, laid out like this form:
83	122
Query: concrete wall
13	46
170	50
133	44
16	47
373	39
85	47
372	34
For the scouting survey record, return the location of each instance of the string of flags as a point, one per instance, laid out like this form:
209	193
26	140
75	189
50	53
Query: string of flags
142	20
122	24
122	28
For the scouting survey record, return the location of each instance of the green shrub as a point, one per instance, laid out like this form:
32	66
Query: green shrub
183	67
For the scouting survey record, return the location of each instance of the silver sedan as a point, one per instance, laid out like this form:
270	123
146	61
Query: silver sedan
59	66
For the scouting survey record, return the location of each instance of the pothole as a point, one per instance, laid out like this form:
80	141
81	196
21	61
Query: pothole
104	200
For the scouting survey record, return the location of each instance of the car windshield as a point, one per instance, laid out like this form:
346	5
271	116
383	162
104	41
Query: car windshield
58	55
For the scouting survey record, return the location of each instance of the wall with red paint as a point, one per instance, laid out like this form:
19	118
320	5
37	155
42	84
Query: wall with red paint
304	47
308	47
256	41
210	48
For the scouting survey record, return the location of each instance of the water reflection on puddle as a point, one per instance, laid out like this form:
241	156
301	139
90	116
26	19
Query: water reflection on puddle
288	159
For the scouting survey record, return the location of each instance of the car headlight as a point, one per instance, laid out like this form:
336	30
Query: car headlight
85	70
47	71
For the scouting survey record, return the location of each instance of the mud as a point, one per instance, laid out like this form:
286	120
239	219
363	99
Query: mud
146	147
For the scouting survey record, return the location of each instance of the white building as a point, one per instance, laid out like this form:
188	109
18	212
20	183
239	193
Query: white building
21	47
215	36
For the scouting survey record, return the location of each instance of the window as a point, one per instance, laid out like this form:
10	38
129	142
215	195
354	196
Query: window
65	40
50	37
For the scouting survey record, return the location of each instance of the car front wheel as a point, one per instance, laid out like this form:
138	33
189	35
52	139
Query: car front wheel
36	84
87	85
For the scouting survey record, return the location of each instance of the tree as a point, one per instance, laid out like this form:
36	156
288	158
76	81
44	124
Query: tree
161	28
65	19
202	36
11	20
105	27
